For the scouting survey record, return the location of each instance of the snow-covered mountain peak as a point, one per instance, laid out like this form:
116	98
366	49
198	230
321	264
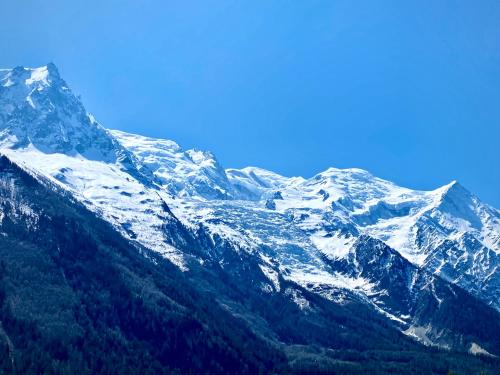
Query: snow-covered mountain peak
457	208
455	196
190	173
42	76
453	190
39	111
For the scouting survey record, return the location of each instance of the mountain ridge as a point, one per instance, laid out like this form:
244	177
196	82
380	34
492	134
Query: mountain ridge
343	236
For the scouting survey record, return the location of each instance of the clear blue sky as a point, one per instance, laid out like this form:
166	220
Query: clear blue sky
409	90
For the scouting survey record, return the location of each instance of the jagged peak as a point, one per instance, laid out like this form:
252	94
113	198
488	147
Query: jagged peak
43	75
202	156
453	190
452	184
39	112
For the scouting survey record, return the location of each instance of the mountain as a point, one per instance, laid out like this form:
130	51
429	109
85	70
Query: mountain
339	272
76	297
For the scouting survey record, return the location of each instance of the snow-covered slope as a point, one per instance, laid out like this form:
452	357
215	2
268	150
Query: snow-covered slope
45	129
181	173
316	232
300	220
323	214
